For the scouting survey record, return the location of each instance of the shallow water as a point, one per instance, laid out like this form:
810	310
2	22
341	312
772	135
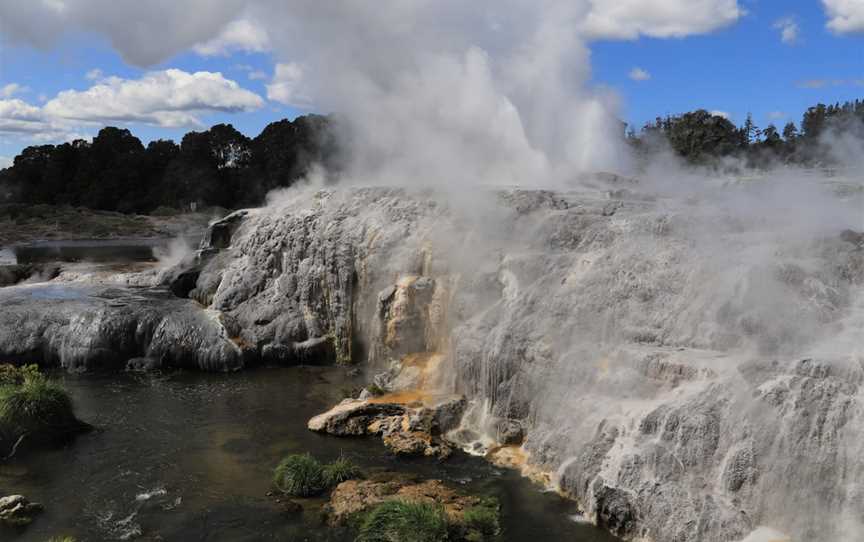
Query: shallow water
189	456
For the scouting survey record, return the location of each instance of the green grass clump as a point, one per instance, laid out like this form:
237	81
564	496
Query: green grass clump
299	475
403	521
33	409
340	470
482	521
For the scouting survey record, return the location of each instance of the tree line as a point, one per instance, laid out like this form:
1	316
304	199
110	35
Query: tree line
222	167
217	167
700	137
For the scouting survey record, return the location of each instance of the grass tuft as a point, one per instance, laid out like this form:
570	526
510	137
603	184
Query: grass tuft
404	521
482	521
340	470
299	475
33	408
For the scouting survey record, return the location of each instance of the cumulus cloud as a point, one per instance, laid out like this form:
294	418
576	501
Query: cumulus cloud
11	89
638	74
789	30
171	98
17	116
286	86
240	35
724	114
629	19
845	16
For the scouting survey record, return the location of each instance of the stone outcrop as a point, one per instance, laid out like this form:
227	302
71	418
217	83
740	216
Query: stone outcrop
86	326
412	428
355	496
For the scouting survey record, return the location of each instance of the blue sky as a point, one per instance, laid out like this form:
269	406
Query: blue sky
734	67
743	68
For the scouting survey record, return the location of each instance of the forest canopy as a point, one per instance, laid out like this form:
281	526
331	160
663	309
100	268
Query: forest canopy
217	167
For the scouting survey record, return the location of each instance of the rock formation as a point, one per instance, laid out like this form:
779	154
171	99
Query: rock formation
682	373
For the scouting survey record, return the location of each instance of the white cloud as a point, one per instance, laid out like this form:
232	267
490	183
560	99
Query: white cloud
17	116
789	30
163	28
629	19
240	35
777	115
5	162
7	91
286	86
638	74
845	16
257	75
500	88
170	98
94	74
724	114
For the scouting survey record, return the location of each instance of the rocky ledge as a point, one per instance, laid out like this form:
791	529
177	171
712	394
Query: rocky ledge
407	429
356	496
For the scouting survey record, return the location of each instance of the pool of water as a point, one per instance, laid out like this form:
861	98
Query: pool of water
95	251
189	457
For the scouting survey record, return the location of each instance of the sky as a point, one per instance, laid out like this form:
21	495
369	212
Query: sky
165	67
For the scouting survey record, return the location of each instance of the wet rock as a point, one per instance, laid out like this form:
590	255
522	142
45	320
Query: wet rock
352	417
614	509
447	413
143	365
13	274
405	429
17	511
220	232
184	283
355	496
510	432
84	327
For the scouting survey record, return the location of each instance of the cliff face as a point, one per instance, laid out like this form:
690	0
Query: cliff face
684	375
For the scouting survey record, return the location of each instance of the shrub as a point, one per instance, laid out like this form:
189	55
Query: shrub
404	521
299	475
33	408
340	470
